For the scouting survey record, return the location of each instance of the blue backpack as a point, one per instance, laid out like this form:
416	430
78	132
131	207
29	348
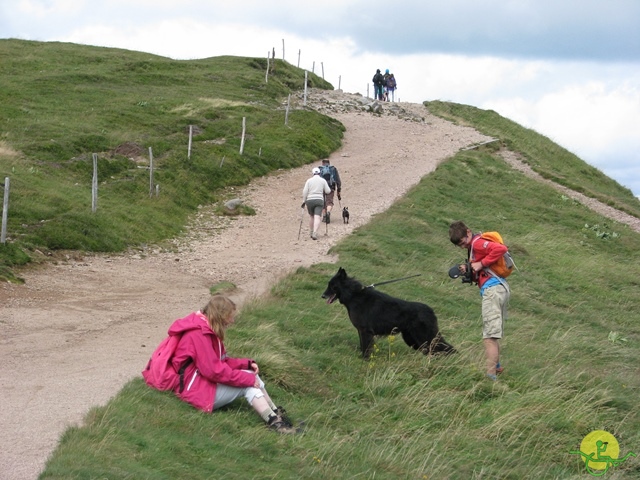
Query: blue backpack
328	173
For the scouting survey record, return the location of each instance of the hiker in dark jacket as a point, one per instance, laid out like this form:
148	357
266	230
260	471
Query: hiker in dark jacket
331	175
378	85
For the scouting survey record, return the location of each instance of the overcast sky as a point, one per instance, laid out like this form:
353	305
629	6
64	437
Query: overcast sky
570	69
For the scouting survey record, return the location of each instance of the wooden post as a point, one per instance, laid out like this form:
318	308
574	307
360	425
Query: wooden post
244	129
266	74
282	49
150	172
368	91
304	103
5	211
322	65
286	112
190	139
339	81
94	184
158	190
313	67
299	51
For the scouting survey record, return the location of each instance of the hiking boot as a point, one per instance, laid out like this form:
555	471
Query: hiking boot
314	235
282	413
327	218
280	426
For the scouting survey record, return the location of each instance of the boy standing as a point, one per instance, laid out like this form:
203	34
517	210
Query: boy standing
483	253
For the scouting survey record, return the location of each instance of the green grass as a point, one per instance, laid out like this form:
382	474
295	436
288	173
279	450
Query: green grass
402	414
63	102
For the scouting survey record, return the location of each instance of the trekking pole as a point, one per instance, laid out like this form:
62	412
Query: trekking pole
301	218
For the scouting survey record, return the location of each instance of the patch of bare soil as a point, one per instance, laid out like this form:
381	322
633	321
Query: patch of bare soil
81	328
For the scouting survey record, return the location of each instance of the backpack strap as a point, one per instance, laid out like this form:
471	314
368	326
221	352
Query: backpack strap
184	366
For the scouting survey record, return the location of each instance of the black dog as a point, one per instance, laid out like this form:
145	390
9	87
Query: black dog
345	215
376	313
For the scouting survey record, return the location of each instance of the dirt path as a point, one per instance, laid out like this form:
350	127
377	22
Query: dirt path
77	331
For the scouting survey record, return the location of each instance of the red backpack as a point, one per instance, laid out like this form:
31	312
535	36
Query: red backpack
159	372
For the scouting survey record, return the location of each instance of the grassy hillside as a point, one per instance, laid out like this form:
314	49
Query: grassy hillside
545	157
571	354
63	102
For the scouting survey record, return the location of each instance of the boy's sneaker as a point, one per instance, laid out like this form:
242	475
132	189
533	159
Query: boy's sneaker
277	424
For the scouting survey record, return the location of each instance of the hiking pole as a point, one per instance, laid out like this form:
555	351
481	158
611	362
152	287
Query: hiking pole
301	218
391	281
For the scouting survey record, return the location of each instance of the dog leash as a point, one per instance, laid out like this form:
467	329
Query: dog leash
391	281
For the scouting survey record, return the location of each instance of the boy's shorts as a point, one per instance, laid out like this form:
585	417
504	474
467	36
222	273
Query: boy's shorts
494	311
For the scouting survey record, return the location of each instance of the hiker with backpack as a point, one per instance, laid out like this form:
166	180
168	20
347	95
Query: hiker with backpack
391	86
193	362
332	177
485	254
378	85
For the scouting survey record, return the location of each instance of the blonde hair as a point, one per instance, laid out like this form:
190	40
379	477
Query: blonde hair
219	312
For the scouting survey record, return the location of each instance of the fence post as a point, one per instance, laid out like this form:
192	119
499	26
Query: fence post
282	49
286	112
266	74
150	172
304	103
244	129
5	211
190	139
322	65
299	52
94	184
339	81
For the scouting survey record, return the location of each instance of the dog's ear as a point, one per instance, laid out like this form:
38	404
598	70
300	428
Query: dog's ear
342	272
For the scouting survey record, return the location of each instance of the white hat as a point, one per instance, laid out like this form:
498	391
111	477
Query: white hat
315	171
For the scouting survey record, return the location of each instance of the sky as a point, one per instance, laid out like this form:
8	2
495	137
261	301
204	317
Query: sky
569	69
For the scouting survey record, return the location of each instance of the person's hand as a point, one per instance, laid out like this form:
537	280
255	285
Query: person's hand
254	367
339	196
476	266
256	384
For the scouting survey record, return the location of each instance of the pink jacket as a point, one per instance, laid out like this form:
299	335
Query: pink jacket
210	364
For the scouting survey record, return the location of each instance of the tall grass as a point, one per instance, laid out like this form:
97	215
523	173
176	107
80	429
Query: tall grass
403	414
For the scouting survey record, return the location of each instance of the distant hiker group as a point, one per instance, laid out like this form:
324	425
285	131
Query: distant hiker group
384	86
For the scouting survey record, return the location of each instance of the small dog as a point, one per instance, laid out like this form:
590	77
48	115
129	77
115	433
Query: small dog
345	215
376	313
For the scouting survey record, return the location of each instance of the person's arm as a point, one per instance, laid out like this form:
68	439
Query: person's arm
488	253
211	367
338	181
325	188
305	192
